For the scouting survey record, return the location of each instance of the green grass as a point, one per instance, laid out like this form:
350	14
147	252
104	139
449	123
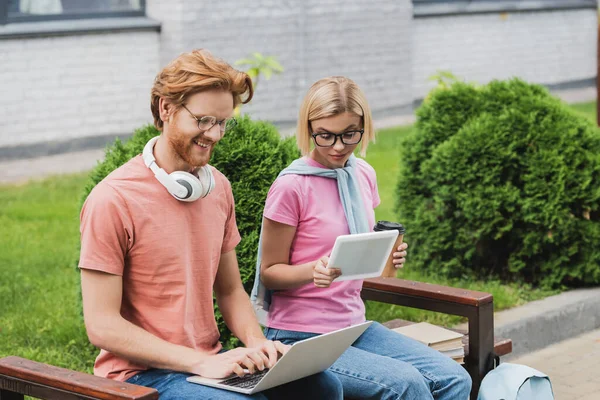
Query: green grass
40	315
586	109
383	156
40	312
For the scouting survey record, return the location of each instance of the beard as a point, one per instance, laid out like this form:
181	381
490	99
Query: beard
184	148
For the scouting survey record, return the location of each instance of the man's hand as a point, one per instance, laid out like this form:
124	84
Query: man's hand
240	360
399	255
273	349
323	276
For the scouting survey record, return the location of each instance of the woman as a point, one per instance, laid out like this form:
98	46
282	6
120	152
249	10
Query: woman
327	193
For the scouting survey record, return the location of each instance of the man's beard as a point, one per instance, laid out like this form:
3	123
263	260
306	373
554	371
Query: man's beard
183	146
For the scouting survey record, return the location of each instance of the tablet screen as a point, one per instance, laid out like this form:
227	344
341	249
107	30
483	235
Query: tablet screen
362	255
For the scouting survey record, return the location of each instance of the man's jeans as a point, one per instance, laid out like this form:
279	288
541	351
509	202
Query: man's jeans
173	385
382	364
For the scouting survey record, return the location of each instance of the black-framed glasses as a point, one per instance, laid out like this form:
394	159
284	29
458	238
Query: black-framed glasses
328	139
208	121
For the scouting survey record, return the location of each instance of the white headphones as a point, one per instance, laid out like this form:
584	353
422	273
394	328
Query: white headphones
182	185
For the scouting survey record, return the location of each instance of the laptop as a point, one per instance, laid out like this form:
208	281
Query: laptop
304	358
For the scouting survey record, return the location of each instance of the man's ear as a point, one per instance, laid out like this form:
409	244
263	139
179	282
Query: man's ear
165	109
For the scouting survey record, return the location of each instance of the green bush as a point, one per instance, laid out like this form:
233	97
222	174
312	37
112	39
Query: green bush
502	180
250	155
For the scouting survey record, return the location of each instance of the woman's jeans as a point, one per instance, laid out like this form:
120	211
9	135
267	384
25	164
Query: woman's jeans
381	364
173	385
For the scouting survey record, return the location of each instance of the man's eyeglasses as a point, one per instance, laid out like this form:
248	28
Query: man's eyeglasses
207	122
328	139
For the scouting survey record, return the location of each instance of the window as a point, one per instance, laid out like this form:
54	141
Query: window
47	10
474	1
425	8
455	1
467	2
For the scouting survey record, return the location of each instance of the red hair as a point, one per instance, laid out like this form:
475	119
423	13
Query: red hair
195	72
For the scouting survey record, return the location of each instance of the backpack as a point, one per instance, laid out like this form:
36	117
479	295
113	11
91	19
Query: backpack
515	382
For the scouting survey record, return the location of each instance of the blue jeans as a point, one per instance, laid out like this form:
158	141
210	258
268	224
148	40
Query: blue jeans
382	364
173	385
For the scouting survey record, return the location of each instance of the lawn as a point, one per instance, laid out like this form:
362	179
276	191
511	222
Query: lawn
40	315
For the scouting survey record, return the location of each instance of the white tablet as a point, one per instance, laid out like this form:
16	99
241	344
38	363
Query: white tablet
362	255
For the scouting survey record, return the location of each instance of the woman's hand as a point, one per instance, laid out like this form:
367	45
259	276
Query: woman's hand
323	276
399	255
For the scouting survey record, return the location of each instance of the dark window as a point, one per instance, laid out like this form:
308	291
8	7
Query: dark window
48	10
456	1
474	6
489	1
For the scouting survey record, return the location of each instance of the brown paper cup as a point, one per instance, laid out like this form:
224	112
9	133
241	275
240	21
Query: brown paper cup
390	271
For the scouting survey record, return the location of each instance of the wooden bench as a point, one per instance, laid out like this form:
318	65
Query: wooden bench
482	352
20	377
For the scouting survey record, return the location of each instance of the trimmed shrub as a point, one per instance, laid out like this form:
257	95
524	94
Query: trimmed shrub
251	156
502	180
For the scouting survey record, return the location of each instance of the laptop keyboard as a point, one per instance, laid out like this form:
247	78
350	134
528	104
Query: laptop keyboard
246	381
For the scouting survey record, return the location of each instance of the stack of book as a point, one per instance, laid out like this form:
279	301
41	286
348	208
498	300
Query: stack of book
444	340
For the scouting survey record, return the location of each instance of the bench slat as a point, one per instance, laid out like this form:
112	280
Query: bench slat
428	290
17	373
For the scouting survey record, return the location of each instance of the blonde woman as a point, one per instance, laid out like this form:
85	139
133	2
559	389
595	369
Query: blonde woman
326	193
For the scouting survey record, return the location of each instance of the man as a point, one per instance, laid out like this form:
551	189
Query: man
158	235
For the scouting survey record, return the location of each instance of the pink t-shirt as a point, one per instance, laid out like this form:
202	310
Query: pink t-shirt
312	204
167	252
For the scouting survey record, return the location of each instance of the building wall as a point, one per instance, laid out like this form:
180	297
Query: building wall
170	14
79	87
547	47
368	41
57	88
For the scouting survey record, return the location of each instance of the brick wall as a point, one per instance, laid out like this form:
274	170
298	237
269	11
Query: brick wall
367	41
62	87
57	88
547	47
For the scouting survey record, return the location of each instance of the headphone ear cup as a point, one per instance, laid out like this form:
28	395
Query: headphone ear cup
207	180
194	187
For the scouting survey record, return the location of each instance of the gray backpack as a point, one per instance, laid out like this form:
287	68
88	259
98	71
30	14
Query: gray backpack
515	382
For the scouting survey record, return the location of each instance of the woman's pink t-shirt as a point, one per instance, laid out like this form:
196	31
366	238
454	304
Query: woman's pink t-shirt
312	204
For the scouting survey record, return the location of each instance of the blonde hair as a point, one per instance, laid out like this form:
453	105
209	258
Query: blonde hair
332	96
195	72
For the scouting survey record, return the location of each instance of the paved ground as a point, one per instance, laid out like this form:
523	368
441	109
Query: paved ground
572	366
17	171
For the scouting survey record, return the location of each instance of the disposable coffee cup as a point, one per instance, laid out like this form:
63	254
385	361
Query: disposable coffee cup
390	271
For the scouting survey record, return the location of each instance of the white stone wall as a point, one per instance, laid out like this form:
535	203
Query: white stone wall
56	88
546	47
74	86
368	41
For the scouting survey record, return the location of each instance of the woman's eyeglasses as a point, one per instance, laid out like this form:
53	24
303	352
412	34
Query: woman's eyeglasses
328	139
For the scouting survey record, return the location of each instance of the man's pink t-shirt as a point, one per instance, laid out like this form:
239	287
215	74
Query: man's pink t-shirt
312	204
167	252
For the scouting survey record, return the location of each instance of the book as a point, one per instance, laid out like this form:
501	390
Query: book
455	353
444	340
